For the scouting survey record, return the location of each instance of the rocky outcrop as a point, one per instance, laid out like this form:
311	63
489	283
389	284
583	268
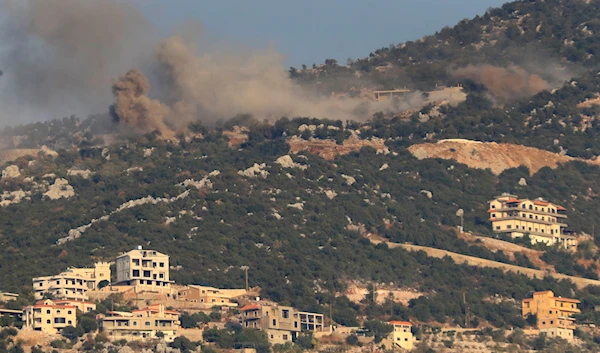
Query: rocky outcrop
85	174
257	170
328	149
495	156
60	189
287	162
349	180
11	172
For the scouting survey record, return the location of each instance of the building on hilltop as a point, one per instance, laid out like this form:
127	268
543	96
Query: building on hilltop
49	317
84	307
389	94
210	296
553	314
139	324
73	283
147	269
281	323
402	335
543	221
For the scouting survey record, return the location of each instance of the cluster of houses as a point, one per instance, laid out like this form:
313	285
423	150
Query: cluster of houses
59	297
148	271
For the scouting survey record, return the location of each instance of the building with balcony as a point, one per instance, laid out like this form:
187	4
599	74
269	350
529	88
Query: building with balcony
141	324
7	297
543	221
402	335
390	94
209	296
147	269
73	283
84	307
281	323
553	313
49	317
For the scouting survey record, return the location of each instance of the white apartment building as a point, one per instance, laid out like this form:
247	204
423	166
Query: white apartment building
73	283
49	317
146	268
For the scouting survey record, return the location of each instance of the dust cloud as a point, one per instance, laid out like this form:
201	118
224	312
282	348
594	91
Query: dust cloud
504	83
59	56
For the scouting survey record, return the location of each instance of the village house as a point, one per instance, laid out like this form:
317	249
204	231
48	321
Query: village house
553	313
49	317
146	269
6	297
147	323
402	335
73	283
84	307
543	221
210	296
281	323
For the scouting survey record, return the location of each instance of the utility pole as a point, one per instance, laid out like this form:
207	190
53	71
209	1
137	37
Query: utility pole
466	310
245	268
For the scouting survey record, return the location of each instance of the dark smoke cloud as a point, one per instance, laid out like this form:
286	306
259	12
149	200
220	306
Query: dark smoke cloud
58	56
504	83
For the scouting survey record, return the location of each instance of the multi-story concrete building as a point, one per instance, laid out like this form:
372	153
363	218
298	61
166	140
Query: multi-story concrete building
209	295
49	317
543	221
390	94
553	313
146	268
281	323
141	324
402	335
73	283
6	296
84	307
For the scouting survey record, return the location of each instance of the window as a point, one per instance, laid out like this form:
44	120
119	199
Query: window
509	226
162	264
530	217
285	337
162	275
530	207
136	273
136	262
48	321
47	311
295	324
70	312
59	320
146	273
274	322
536	208
497	227
285	314
147	323
493	206
493	215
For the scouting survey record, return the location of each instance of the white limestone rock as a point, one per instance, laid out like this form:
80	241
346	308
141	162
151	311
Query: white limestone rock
427	193
85	174
384	167
11	172
257	170
287	162
60	189
349	180
522	182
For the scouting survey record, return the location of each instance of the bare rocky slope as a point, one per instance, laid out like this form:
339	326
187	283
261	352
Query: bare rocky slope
495	156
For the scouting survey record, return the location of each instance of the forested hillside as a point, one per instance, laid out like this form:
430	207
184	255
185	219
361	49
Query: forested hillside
301	221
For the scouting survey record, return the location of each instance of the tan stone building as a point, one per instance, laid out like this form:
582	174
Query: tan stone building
147	269
209	295
553	313
543	221
6	296
281	323
402	335
141	324
84	307
73	283
49	317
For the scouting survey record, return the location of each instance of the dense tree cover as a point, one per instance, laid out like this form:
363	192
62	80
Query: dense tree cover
304	257
527	33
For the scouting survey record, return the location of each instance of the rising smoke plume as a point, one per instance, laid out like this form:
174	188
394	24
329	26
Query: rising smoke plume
59	56
504	84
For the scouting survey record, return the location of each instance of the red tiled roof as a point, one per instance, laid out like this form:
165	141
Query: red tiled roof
250	307
406	323
541	203
513	201
560	208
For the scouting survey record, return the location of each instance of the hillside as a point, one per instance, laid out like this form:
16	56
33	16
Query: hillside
294	198
498	157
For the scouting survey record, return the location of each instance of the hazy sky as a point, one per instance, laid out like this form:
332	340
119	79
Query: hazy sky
310	31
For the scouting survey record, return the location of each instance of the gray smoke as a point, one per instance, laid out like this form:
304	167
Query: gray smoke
59	56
